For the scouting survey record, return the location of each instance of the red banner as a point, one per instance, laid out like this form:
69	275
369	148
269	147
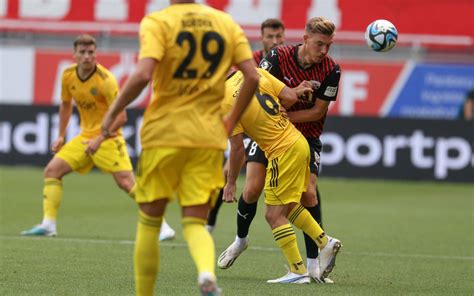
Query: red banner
364	88
444	22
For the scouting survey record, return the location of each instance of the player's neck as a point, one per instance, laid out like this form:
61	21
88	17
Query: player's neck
303	59
85	73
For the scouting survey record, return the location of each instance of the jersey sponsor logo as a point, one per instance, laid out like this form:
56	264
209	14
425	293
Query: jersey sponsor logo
266	65
288	79
86	105
330	91
93	91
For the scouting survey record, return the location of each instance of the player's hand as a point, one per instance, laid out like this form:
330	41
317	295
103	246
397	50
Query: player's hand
57	144
283	111
229	193
94	144
305	88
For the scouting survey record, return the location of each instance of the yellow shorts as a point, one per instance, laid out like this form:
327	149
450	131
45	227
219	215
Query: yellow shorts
287	175
111	157
194	174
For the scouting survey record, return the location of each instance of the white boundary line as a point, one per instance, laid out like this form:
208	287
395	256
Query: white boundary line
255	248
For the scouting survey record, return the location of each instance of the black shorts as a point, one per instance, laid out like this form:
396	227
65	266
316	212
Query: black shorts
254	153
315	146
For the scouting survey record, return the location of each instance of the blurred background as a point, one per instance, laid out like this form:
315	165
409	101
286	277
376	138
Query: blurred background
398	115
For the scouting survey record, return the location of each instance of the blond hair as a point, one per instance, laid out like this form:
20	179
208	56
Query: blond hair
320	25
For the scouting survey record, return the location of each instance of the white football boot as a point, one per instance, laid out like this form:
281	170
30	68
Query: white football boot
313	272
40	230
228	257
292	278
327	256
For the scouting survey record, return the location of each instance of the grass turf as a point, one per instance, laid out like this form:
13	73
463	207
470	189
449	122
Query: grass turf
400	238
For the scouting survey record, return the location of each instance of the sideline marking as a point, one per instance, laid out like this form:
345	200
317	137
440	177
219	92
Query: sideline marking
254	248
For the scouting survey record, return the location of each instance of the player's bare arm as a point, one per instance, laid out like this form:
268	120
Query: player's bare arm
289	96
315	113
65	111
247	91
133	87
236	159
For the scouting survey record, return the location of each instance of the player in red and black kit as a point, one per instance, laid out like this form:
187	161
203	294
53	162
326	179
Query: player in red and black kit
273	34
293	64
309	61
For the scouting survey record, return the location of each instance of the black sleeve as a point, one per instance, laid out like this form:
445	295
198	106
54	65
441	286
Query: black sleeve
329	88
271	64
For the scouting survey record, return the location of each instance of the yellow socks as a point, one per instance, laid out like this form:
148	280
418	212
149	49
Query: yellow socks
301	218
147	254
285	238
200	244
52	195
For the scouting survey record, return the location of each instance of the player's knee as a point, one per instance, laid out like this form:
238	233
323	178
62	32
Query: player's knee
51	171
270	218
251	194
308	199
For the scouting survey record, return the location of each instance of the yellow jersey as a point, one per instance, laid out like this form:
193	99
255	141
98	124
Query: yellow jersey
194	45
262	121
92	96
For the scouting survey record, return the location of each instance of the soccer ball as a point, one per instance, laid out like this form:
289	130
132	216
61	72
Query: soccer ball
381	35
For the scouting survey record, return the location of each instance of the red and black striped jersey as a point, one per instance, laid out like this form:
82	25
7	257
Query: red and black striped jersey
282	62
258	55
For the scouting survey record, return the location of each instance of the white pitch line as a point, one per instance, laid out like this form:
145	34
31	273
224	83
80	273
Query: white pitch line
255	248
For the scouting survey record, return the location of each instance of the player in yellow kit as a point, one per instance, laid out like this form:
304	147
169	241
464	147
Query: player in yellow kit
287	174
186	49
93	89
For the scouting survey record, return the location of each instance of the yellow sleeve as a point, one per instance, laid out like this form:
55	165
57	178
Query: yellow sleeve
242	50
110	90
65	93
238	129
152	39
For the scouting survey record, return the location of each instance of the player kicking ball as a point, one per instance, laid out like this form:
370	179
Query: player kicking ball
287	172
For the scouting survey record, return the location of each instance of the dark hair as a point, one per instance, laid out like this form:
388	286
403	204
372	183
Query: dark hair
272	23
470	95
320	25
84	39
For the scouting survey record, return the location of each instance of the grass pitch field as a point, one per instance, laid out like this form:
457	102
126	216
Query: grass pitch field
402	238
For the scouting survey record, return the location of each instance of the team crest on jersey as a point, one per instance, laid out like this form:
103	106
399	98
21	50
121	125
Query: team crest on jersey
93	91
330	91
266	65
